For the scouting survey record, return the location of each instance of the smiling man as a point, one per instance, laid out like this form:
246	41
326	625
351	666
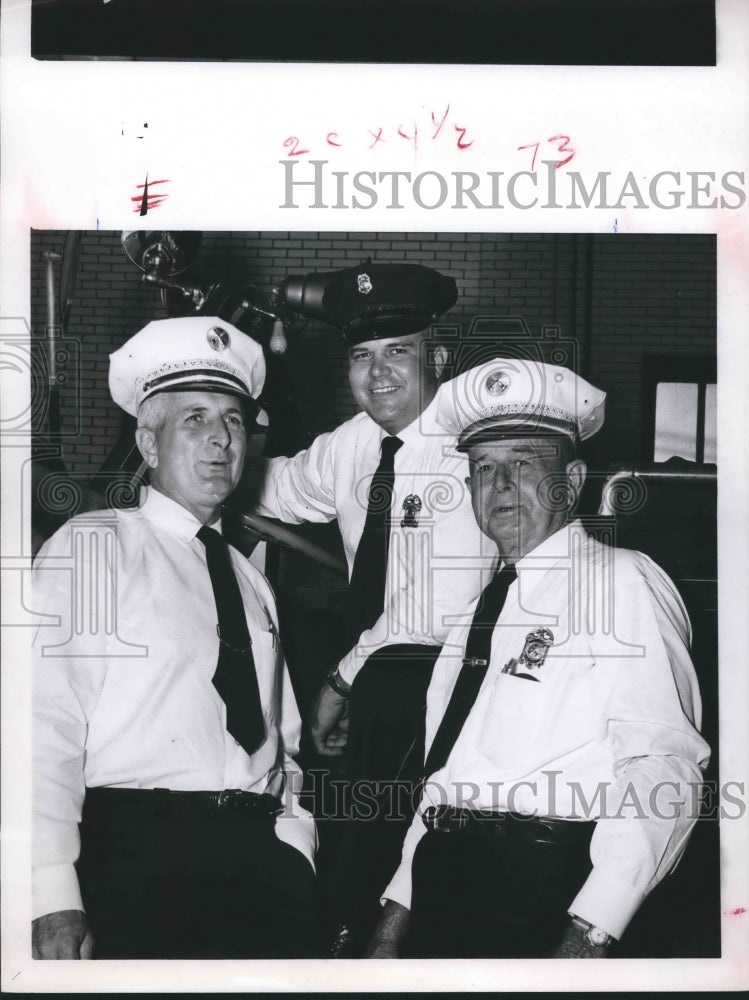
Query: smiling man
563	755
166	820
393	479
391	381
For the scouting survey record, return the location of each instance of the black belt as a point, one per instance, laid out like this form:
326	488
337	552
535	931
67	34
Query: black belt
535	829
162	800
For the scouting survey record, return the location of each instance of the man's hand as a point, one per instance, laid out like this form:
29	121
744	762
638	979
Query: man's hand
328	722
62	934
389	932
575	944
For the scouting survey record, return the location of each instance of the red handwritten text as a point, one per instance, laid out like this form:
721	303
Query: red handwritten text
292	144
413	132
561	148
145	200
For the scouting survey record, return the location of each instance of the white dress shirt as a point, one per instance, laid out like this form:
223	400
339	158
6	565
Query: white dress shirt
611	713
434	568
124	656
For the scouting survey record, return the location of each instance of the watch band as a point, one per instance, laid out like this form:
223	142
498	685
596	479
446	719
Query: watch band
597	937
338	684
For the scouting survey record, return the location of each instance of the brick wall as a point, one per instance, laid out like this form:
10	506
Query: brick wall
109	304
619	297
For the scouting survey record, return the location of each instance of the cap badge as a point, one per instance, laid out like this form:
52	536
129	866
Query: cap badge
411	507
497	383
218	338
364	283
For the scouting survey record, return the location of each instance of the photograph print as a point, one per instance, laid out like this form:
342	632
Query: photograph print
376	577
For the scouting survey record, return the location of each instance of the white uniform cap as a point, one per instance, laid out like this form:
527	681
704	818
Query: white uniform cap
189	352
518	398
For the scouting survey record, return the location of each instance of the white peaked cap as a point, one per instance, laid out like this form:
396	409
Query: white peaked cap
190	352
518	397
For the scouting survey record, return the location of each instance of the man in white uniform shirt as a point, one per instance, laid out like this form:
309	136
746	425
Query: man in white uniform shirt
398	614
166	820
563	758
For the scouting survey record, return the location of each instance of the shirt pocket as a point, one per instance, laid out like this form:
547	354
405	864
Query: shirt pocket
528	723
577	691
265	644
513	723
266	655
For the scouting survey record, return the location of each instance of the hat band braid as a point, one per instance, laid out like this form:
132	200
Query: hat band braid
209	374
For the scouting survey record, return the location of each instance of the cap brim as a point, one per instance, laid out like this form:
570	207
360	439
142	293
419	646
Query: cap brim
257	417
201	386
496	430
389	325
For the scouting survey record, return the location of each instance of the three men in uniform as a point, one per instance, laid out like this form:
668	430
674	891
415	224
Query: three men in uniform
167	730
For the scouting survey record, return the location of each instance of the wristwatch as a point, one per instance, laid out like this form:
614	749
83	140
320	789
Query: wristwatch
338	684
597	937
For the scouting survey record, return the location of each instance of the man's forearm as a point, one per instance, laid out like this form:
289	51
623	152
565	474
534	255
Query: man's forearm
390	932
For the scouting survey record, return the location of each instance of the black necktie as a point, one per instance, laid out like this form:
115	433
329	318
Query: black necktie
473	671
366	593
235	678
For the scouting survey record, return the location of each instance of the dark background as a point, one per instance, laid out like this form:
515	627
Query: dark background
556	32
618	304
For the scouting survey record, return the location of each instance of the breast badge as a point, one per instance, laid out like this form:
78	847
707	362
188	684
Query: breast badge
537	645
411	507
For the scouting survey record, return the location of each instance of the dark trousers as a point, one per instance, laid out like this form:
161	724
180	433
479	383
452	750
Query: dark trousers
385	758
479	895
163	884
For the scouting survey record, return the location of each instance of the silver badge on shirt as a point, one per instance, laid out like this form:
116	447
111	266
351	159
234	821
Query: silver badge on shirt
411	507
533	657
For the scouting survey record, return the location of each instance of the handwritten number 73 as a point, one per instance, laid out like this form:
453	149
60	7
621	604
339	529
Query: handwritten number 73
562	140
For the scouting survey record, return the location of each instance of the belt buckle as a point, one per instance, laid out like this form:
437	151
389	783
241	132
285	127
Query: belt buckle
446	819
431	817
229	798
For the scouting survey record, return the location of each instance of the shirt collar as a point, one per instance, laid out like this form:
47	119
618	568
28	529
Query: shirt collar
170	516
553	548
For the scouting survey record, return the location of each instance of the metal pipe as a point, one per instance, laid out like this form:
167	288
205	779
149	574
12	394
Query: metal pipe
53	324
275	533
655	474
53	333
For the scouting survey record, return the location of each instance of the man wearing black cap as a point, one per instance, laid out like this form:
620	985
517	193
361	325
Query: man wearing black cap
563	761
166	816
393	479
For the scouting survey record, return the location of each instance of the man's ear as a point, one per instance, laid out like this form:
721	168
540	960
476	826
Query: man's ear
440	358
576	470
146	441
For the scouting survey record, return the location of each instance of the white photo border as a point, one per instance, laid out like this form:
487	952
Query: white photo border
71	159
